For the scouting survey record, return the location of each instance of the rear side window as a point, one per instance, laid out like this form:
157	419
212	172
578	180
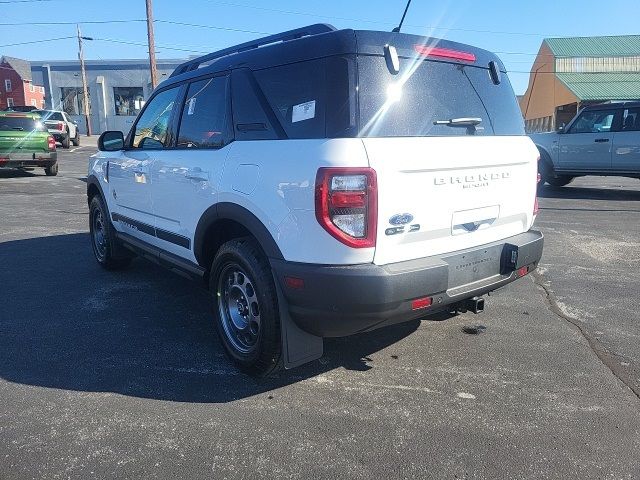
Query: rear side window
205	121
152	128
408	104
631	120
296	94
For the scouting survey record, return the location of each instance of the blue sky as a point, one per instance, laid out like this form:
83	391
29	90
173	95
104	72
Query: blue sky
514	28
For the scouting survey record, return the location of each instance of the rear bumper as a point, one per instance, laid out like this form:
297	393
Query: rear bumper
343	300
58	135
28	159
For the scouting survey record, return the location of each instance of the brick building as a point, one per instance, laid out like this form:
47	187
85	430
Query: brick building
16	84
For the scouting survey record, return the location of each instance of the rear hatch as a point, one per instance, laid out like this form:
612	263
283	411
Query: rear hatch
444	185
21	135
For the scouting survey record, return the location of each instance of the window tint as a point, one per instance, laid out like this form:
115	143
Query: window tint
153	125
433	91
205	116
49	115
631	120
22	124
296	94
594	121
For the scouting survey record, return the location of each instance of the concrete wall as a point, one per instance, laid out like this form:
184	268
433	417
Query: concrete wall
102	77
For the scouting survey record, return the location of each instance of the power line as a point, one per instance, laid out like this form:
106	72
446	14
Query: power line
226	29
24	1
88	22
140	44
36	41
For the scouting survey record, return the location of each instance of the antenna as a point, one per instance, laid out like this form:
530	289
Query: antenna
397	29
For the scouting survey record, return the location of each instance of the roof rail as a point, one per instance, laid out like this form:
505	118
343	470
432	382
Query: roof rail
260	42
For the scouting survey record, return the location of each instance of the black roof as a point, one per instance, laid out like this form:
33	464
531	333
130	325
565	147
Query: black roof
317	41
608	105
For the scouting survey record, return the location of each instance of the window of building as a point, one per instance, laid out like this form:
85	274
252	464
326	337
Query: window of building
205	116
7	85
34	102
41	90
42	103
9	102
31	88
128	101
151	130
73	100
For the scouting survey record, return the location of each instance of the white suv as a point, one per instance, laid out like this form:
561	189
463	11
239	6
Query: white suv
324	182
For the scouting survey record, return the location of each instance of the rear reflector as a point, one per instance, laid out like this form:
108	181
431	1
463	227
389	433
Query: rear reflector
51	143
427	51
522	271
419	303
293	282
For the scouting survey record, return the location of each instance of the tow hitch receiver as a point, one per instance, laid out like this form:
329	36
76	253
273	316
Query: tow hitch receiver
475	305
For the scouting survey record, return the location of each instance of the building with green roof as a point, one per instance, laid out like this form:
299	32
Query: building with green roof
569	73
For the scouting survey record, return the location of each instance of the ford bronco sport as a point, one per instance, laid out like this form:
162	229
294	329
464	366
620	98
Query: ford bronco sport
324	182
24	143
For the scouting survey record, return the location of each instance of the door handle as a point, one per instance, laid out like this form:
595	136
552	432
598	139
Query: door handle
601	140
197	174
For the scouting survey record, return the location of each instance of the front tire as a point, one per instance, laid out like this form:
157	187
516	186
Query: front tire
103	240
66	141
247	319
76	139
51	170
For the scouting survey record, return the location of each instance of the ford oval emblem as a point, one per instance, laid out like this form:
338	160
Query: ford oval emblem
401	219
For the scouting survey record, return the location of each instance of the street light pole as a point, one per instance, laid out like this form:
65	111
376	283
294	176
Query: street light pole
152	48
85	88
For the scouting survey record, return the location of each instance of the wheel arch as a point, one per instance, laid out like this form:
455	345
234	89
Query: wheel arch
225	221
94	188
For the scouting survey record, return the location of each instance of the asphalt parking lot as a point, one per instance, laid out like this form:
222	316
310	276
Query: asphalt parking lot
106	375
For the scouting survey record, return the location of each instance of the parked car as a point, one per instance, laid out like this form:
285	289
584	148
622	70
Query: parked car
20	108
601	140
63	129
25	142
323	183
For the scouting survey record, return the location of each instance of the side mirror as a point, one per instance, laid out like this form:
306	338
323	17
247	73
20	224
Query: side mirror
74	122
561	128
111	141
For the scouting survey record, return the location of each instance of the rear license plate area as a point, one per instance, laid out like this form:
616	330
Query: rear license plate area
475	265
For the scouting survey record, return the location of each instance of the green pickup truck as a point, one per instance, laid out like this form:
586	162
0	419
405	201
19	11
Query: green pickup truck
25	142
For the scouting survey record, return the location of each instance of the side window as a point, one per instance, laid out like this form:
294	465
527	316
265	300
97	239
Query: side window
594	121
206	118
631	120
151	130
296	94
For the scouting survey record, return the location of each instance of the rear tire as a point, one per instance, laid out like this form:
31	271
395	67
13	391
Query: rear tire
247	319
76	140
52	170
560	180
103	240
65	141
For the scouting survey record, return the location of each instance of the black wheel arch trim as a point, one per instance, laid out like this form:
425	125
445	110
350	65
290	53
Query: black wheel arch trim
237	213
92	180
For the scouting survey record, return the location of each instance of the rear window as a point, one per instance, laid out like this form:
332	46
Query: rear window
49	115
20	124
390	106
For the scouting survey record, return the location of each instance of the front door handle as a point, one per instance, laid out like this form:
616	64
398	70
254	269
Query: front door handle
197	174
601	140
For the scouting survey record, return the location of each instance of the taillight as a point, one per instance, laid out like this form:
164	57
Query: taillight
51	142
347	204
536	208
427	51
60	126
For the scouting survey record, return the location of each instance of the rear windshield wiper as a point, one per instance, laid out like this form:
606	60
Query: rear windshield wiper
20	129
470	123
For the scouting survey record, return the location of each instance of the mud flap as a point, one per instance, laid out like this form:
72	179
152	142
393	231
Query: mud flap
298	346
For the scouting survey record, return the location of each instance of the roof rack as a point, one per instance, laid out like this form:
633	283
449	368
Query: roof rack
243	47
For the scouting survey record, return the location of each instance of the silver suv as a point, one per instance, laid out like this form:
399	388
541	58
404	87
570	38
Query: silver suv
601	140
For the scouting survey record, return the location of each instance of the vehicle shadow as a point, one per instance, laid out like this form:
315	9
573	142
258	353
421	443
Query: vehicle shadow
588	193
66	323
18	173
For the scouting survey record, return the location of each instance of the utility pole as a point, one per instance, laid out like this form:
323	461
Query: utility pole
85	88
152	48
